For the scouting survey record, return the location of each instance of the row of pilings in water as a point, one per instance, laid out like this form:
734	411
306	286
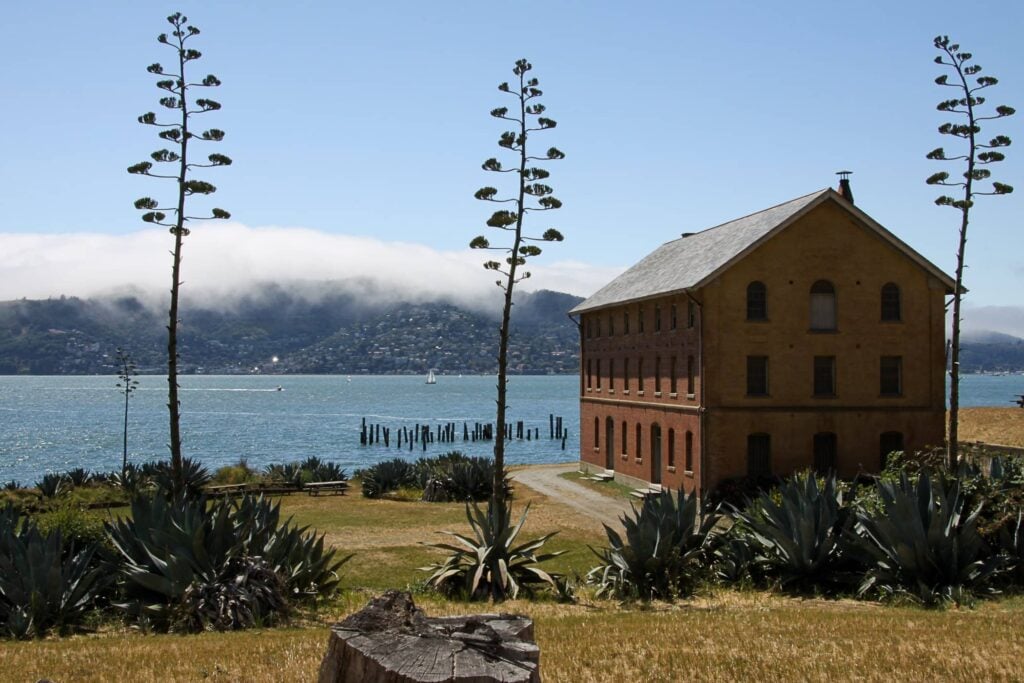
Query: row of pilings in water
423	435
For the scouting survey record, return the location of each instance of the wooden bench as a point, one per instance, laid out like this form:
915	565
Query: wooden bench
314	488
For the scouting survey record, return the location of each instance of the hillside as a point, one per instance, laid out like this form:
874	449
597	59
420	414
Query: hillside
986	351
338	332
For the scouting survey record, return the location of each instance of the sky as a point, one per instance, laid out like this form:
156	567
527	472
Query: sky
357	132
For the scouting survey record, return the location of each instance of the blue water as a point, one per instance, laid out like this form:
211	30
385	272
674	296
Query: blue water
56	423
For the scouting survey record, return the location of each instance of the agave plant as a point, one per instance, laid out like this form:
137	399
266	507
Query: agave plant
662	553
12	485
52	485
922	543
488	564
796	532
43	584
328	471
288	474
79	476
389	475
1011	544
193	478
132	479
182	562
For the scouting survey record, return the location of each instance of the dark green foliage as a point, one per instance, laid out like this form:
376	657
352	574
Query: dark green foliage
387	476
922	544
132	479
79	477
312	469
288	474
52	485
45	583
11	485
454	476
188	565
193	477
488	564
736	491
663	553
76	526
1011	544
795	532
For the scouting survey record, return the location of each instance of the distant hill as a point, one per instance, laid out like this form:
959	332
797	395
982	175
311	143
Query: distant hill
988	351
337	332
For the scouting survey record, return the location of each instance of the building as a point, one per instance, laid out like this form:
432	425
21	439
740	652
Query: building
802	336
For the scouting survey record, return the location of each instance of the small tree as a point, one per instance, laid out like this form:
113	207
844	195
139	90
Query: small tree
127	384
530	195
177	132
975	157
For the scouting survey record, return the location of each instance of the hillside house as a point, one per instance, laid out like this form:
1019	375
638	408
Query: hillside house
802	336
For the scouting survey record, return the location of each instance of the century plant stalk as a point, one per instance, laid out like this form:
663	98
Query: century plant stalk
127	385
977	156
512	222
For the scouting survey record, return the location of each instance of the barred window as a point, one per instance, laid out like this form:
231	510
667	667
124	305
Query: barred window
890	302
757	301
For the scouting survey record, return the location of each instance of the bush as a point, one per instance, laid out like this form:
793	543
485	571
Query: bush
76	526
795	532
239	473
45	583
389	475
664	552
52	485
922	544
188	565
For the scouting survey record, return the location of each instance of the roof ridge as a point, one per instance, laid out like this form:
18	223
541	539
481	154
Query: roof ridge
749	215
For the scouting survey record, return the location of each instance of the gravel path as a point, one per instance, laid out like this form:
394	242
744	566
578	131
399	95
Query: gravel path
545	479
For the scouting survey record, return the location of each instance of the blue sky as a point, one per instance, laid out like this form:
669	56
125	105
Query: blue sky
360	127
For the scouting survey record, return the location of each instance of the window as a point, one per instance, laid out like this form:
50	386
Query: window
823	306
639	441
671	448
657	318
590	327
625	323
640	374
657	374
611	375
672	376
691	314
625	374
890	379
625	448
599	373
640	319
890	303
824	452
759	455
588	373
689	375
889	443
672	319
597	327
611	326
597	433
824	375
757	375
757	301
689	451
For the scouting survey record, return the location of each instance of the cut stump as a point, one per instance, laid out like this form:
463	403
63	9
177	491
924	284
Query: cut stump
393	641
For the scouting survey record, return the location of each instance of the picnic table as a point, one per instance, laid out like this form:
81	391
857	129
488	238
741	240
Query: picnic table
314	488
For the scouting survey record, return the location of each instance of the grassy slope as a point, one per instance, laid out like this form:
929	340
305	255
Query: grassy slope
1003	426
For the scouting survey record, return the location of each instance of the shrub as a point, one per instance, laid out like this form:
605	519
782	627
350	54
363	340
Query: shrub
188	565
76	526
239	473
922	544
45	583
795	532
52	485
1011	544
663	553
389	475
488	564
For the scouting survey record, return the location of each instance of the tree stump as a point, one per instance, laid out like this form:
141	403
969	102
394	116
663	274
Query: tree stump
393	641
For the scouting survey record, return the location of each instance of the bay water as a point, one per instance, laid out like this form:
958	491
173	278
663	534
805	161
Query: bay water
55	423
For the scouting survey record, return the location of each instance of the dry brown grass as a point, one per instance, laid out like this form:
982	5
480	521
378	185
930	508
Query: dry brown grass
726	636
1004	426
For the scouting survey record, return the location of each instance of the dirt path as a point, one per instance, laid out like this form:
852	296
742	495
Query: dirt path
545	479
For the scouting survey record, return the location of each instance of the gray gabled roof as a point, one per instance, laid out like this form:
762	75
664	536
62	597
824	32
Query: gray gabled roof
693	260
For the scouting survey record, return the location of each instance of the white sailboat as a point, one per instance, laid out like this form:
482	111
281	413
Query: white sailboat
430	377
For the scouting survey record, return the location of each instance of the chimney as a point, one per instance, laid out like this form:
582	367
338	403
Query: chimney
844	185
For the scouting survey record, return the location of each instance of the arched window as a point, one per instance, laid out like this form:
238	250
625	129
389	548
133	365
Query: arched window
757	301
823	306
890	303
